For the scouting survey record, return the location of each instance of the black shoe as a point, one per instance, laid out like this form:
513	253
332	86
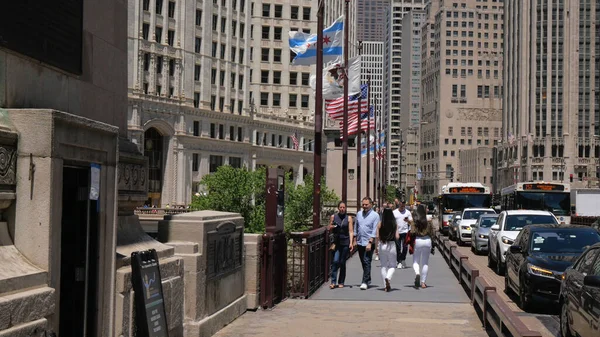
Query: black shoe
417	281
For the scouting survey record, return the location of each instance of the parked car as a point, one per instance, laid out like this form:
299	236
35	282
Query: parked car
480	232
452	229
539	256
580	296
503	233
469	217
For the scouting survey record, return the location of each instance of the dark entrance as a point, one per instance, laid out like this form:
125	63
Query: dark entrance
79	255
153	149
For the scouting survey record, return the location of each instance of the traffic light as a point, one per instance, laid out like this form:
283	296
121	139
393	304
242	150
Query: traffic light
571	177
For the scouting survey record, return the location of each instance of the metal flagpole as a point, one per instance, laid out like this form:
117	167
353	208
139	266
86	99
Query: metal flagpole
359	142
379	160
375	161
368	135
345	126
318	121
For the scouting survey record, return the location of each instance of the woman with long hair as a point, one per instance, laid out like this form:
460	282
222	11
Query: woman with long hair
423	233
387	234
340	225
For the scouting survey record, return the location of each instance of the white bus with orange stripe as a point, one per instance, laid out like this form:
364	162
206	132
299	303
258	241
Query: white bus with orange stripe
554	197
455	197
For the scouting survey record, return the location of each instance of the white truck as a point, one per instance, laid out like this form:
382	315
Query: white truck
585	202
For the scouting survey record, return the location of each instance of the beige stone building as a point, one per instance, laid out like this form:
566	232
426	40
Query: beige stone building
551	109
476	165
461	86
191	71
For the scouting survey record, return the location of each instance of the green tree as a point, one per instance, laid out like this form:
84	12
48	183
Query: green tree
390	193
299	203
232	190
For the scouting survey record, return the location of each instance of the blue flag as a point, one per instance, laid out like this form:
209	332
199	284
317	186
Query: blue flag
305	45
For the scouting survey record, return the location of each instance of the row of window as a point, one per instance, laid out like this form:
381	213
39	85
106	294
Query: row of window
222	55
214	162
468	131
213	103
469	72
217	131
222	77
265	76
159	7
158	32
215	24
276	100
278	12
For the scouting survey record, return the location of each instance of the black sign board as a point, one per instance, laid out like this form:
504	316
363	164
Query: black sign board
543	187
225	246
150	315
48	31
467	189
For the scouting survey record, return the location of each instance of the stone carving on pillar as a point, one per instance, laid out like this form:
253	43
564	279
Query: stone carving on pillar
132	177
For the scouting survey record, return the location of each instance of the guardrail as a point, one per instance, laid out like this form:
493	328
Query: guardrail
495	313
309	261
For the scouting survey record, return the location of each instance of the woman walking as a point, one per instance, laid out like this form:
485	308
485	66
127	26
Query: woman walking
423	234
340	225
387	234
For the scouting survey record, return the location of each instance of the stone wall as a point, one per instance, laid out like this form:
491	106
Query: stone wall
253	248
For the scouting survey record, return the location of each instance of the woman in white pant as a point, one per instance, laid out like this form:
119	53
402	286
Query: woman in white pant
423	233
387	234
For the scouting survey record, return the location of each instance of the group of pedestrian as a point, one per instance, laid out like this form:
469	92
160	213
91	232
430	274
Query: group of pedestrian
391	235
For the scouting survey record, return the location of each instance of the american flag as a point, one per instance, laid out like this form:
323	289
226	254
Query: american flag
364	125
335	107
296	141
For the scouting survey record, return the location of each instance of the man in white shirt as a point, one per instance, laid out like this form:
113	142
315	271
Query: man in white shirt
403	219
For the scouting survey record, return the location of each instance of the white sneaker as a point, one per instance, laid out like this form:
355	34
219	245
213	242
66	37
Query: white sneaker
363	286
377	257
400	266
403	264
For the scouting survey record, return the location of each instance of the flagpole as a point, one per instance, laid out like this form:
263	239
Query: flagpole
318	121
359	141
375	160
345	126
368	135
379	160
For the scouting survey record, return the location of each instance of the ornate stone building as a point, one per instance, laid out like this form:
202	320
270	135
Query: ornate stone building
189	97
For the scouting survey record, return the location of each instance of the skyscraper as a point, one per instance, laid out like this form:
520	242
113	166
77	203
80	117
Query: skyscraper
551	115
369	23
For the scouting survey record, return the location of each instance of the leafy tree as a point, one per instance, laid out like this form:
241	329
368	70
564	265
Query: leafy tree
390	193
299	203
232	190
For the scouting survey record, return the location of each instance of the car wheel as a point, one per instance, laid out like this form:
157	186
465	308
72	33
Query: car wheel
524	300
499	266
507	289
565	327
459	241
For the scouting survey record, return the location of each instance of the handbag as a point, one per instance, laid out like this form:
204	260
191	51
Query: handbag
410	242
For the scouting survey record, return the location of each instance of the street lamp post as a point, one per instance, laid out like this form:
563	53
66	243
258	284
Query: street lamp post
359	142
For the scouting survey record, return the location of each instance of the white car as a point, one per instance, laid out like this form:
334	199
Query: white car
504	232
469	217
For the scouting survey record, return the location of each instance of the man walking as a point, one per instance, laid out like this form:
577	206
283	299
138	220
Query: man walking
403	219
365	232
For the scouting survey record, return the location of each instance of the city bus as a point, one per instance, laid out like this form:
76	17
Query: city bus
455	197
540	196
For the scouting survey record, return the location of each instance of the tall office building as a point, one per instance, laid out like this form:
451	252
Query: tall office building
410	102
551	114
393	83
369	24
277	87
189	89
461	86
336	8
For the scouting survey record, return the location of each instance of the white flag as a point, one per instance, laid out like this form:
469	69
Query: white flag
333	79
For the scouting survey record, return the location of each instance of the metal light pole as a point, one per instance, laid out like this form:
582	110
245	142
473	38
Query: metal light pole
368	135
375	162
345	126
400	166
318	120
359	143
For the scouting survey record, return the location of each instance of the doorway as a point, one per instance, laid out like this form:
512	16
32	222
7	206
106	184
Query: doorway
79	255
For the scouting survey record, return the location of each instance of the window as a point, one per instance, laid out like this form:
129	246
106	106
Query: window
264	76
276	77
241	82
223	25
454	90
221	131
294	12
196	128
232	82
463	90
145	31
171	9
171	37
159	64
221	104
231	133
266	32
241	55
159	6
293	100
239	129
305	78
158	34
264	98
213	76
198	17
277	55
304	102
196	72
277	33
195	162
264	54
276	99
215	22
213	102
215	163
171	67
306	13
232	56
266	10
196	99
146	5
233	28
213	52
235	162
222	51
213	131
197	45
293	78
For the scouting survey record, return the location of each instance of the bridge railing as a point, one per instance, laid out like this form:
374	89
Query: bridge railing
308	261
161	211
495	313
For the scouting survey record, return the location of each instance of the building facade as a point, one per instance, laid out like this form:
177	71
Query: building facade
189	107
551	114
369	26
476	165
462	86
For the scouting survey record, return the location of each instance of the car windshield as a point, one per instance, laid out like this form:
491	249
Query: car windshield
487	222
474	215
518	221
563	240
557	203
